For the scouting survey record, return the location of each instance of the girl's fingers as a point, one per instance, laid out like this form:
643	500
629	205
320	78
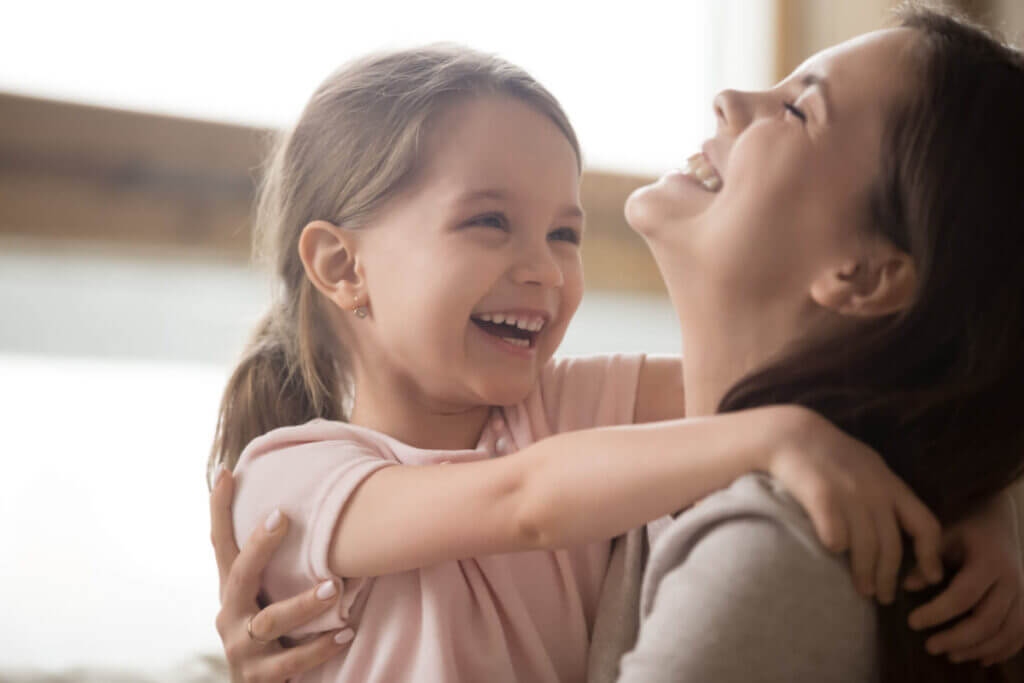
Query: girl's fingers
890	553
829	522
222	532
986	621
863	548
915	580
243	581
280	666
919	522
280	618
964	592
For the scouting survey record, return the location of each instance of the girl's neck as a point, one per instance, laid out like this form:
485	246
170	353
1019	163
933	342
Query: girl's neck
399	415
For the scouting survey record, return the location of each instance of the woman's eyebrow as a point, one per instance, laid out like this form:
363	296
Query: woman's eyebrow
809	81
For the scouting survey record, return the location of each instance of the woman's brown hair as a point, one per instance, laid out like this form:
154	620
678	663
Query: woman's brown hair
938	389
358	142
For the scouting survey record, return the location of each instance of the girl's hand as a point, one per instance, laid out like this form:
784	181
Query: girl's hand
256	655
989	586
856	502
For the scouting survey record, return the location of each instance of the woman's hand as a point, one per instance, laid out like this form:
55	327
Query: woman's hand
989	586
249	633
856	503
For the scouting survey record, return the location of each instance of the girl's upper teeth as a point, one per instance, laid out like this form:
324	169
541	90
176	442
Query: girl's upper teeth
523	322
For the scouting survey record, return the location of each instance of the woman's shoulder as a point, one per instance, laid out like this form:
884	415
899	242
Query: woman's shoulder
751	499
739	583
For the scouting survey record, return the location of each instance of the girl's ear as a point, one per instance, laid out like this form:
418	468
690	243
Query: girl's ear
330	258
880	283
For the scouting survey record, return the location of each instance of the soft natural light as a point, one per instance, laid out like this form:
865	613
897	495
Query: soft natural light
636	78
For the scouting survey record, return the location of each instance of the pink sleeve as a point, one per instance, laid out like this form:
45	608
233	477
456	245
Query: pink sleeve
590	391
309	477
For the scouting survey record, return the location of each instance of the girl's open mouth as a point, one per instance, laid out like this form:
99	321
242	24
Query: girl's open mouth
517	330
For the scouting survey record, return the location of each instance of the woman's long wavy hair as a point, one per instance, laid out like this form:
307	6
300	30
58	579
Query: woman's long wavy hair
359	141
937	390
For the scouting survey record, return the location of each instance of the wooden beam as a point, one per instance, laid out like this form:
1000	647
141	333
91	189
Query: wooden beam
84	173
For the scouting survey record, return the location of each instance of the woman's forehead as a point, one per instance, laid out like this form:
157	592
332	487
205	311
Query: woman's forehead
863	71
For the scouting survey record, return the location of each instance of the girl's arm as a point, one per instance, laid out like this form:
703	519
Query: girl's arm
590	485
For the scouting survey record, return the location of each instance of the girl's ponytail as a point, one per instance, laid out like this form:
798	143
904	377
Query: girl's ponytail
277	383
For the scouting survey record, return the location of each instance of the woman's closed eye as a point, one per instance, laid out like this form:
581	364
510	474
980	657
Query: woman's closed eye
799	113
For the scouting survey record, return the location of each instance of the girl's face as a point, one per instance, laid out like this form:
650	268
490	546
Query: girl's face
474	271
787	180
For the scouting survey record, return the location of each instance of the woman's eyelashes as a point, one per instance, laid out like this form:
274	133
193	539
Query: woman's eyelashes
799	113
499	221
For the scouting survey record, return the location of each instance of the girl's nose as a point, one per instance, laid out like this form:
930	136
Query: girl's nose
538	267
733	111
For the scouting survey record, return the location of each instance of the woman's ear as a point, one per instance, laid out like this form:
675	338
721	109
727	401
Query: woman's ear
880	283
330	258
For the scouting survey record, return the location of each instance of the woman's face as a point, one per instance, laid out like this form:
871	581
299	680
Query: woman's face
786	179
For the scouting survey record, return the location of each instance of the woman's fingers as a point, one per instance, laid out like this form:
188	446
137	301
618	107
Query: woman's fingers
964	591
985	622
279	618
243	581
922	526
863	547
222	531
280	666
890	553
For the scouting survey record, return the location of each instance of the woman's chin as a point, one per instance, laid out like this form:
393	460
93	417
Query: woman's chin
665	206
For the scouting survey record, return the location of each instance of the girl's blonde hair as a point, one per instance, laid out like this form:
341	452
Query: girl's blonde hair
358	142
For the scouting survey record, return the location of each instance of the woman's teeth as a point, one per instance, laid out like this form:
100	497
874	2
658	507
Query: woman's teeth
700	169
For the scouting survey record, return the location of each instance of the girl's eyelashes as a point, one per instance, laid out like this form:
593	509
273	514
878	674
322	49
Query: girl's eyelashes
571	235
499	221
799	113
494	220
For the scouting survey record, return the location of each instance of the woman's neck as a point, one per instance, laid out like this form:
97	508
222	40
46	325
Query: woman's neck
719	350
401	413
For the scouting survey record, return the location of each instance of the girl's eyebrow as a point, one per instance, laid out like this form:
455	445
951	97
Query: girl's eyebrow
570	211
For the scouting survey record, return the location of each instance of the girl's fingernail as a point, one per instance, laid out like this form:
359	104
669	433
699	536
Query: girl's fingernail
342	637
326	590
219	474
273	521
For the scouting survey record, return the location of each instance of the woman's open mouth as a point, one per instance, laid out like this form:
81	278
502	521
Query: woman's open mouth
698	167
516	329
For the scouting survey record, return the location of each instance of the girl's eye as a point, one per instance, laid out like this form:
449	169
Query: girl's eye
494	220
795	112
565	234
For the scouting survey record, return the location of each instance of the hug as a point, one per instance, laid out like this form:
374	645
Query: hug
815	490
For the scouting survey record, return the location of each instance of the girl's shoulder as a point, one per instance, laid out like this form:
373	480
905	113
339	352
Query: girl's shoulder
317	435
578	392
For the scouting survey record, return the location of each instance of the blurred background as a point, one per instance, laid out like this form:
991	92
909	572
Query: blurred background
130	135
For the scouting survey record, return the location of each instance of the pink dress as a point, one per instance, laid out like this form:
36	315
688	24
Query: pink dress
511	617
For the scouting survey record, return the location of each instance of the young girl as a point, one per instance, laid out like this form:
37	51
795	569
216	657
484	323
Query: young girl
424	220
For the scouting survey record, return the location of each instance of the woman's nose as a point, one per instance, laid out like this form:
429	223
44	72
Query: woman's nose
732	110
538	266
